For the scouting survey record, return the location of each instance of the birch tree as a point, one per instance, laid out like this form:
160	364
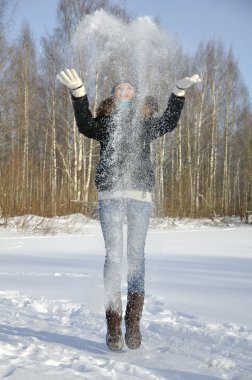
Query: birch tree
24	82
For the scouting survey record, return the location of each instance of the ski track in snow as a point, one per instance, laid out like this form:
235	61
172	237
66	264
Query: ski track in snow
58	339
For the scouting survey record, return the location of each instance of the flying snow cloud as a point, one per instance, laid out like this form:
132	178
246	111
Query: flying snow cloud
112	50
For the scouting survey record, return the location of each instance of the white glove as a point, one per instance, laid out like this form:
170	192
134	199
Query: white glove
71	79
185	83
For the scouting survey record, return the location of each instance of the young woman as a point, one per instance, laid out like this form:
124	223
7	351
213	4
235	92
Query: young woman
124	179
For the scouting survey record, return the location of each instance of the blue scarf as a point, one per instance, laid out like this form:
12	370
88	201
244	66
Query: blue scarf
124	105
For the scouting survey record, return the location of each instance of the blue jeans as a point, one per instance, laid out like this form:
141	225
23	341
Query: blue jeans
111	213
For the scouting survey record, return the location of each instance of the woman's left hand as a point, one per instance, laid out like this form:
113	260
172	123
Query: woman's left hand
185	83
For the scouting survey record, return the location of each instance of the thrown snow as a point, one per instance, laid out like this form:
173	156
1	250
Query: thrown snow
197	320
113	49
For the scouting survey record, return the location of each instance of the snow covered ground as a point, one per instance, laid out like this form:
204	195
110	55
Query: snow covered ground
197	320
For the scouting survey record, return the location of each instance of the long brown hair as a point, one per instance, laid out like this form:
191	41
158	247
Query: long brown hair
106	107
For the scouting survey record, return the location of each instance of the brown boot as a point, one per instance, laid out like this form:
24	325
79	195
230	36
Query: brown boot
114	337
133	337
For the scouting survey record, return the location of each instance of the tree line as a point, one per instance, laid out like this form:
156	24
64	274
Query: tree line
203	168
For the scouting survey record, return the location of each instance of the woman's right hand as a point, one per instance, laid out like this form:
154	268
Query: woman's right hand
71	79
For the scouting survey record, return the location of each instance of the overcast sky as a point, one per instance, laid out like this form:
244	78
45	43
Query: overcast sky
191	20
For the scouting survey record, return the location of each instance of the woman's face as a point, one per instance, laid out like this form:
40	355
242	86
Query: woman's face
124	92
